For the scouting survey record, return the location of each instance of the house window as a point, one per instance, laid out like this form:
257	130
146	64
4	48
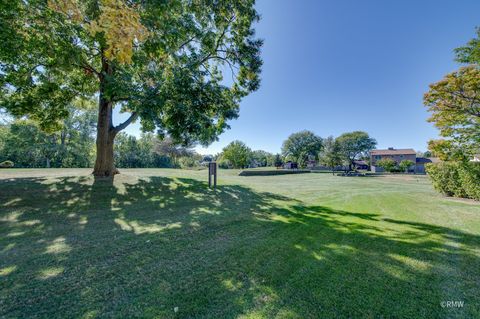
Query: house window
378	157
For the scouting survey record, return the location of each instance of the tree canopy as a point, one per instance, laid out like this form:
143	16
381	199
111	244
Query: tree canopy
455	106
331	155
237	154
447	150
302	145
168	147
180	66
262	158
454	103
355	144
470	53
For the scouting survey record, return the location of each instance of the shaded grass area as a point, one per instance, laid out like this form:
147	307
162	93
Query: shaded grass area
286	247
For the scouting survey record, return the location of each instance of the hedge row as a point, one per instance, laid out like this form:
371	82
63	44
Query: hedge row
272	172
456	179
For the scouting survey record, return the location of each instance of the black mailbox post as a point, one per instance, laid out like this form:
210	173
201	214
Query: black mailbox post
212	170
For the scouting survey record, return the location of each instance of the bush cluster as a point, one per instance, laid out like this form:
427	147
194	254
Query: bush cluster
6	164
456	178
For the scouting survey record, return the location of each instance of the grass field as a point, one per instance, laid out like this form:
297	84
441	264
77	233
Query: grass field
158	243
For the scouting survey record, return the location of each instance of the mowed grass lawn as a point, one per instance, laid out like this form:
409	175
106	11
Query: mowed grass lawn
159	243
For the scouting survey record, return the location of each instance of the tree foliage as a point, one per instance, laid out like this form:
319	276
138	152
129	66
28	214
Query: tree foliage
302	145
237	154
262	158
405	165
454	103
447	150
454	178
277	161
470	53
180	66
355	145
331	154
387	164
169	148
24	143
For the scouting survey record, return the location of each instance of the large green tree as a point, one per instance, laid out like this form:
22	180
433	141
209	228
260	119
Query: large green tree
355	145
454	103
331	154
262	158
163	62
302	145
237	154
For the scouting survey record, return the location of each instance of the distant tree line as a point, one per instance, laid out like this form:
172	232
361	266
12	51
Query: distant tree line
238	155
302	147
24	144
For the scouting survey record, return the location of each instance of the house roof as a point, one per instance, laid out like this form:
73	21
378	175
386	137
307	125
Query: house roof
423	160
404	151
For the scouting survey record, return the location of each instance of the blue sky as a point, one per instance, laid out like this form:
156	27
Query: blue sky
336	66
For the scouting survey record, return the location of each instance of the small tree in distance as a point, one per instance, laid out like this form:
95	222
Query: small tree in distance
355	145
168	147
387	164
299	146
405	165
278	162
331	155
237	154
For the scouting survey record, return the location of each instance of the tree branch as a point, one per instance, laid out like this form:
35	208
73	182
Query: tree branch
123	125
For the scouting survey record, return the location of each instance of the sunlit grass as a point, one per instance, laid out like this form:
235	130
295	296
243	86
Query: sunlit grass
159	243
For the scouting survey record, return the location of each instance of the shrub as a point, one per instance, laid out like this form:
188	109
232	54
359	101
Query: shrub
405	165
7	164
456	178
387	164
470	179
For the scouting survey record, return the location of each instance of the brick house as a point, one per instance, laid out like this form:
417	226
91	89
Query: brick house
397	155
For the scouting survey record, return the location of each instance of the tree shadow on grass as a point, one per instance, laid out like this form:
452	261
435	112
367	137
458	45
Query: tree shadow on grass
75	247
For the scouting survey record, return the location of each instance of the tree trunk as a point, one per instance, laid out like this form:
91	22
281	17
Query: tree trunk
106	132
104	165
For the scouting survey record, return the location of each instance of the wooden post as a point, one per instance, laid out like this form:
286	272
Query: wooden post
212	170
215	177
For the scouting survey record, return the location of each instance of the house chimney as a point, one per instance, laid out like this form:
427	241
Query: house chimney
391	148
